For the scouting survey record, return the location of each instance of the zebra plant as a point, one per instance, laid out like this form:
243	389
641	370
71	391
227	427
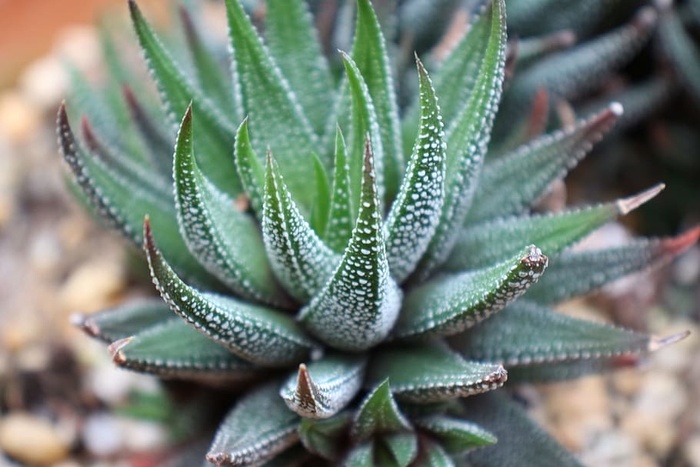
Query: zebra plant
359	298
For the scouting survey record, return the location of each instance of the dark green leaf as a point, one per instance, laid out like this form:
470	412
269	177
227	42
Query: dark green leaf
342	212
325	438
124	321
456	436
379	414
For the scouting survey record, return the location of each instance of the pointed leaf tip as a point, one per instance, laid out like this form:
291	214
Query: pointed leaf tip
627	205
676	245
658	343
115	350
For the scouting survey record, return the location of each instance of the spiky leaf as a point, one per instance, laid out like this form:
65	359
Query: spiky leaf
325	437
415	212
430	373
342	212
250	170
360	303
379	414
449	304
324	387
226	241
257	334
124	321
456	436
247	438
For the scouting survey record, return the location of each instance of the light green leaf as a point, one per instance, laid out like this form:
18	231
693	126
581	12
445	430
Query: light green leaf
486	243
524	441
342	212
275	116
467	139
361	455
360	303
246	438
300	259
173	349
125	320
257	334
448	305
577	273
250	169
216	133
363	124
226	241
396	449
123	203
525	333
293	42
321	207
378	414
325	387
370	55
323	437
433	454
532	168
456	436
415	213
430	372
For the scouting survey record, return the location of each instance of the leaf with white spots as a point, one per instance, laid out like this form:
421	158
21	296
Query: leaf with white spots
467	139
122	203
250	170
532	168
255	333
125	320
299	258
415	213
358	306
320	209
361	455
450	304
370	55
216	133
225	241
324	437
525	334
341	215
576	273
363	124
259	427
275	116
324	387
486	243
456	436
173	349
293	42
430	372
520	440
379	414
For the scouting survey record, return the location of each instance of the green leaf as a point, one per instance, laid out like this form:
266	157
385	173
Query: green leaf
325	387
467	138
525	333
342	212
486	243
293	42
682	50
399	449
247	438
378	414
214	131
520	440
300	259
325	437
433	454
360	303
250	169
210	75
363	124
415	213
321	207
276	118
123	203
448	305
456	436
361	455
125	320
254	333
577	273
370	55
173	349
227	242
532	168
424	373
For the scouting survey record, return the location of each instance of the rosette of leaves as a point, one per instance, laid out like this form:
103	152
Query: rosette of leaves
357	299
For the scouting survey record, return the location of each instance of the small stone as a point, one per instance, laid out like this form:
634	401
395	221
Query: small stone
143	435
93	285
31	440
18	119
102	435
691	450
615	449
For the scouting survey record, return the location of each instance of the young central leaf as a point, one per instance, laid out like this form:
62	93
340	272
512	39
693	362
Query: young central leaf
359	305
302	262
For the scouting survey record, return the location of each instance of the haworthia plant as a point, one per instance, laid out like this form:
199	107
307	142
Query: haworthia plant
354	276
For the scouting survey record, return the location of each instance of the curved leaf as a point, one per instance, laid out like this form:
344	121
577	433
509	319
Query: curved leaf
456	436
324	437
125	320
379	414
342	212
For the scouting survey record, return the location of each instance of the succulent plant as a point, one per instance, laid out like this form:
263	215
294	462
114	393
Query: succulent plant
359	297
